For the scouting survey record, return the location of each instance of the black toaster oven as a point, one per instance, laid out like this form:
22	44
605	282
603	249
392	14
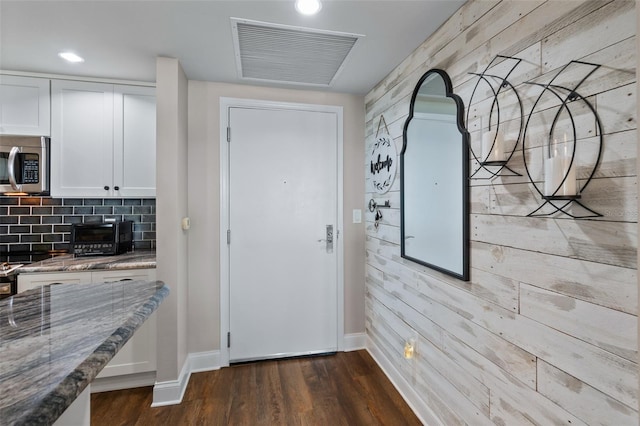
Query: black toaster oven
101	239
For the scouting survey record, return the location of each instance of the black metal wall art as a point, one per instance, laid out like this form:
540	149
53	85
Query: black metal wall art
495	153
561	190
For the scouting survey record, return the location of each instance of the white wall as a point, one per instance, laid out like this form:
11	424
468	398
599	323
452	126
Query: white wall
171	206
546	329
204	202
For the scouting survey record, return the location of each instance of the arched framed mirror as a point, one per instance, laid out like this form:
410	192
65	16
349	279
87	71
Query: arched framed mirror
434	178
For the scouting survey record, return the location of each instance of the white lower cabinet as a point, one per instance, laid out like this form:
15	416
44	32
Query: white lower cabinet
29	281
139	354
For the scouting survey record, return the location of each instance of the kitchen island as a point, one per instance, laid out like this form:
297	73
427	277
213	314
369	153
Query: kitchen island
55	339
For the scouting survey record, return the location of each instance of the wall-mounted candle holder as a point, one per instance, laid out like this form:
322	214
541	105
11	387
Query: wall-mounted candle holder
561	190
496	151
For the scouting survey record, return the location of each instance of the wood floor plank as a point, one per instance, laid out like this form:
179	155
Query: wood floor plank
347	388
243	396
326	411
182	414
379	381
127	404
295	390
269	398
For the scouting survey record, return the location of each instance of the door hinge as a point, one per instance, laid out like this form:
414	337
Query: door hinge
229	339
228	236
228	134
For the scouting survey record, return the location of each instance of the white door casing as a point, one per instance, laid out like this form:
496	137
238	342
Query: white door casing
278	224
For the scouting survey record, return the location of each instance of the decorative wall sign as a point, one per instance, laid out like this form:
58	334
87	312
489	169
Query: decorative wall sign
382	160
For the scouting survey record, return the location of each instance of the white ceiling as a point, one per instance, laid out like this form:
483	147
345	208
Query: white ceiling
121	39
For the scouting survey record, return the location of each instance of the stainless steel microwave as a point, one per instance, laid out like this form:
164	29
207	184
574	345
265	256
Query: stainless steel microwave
24	165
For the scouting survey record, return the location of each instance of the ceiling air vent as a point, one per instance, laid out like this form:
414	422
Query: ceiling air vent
286	54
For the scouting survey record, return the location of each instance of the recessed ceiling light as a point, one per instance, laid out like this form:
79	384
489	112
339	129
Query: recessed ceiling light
71	57
308	7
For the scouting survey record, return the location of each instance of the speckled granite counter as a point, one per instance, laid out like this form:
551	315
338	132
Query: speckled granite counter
133	260
54	340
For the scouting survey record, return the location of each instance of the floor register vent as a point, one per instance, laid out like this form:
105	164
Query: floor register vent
287	54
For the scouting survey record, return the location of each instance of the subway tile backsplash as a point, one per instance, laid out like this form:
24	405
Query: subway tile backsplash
44	224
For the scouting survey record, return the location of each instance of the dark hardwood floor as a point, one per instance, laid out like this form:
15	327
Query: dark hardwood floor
343	389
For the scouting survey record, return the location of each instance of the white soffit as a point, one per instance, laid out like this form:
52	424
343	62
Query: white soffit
288	54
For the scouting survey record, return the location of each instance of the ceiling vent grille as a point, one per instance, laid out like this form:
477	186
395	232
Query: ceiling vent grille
286	54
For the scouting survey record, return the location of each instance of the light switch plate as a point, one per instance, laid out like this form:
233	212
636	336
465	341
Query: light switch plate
357	216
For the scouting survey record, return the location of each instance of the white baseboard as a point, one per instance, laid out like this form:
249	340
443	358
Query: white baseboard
422	410
171	392
354	342
204	361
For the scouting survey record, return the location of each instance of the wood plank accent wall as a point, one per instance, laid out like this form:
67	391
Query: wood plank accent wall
545	332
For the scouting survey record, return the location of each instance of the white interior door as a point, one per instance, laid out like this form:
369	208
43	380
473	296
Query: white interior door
283	191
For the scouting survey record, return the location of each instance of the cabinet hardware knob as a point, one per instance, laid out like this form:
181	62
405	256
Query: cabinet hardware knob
106	187
117	188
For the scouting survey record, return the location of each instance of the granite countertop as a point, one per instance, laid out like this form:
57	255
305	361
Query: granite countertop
67	262
55	339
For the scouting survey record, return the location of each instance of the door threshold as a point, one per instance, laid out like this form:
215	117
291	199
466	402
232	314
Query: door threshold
281	357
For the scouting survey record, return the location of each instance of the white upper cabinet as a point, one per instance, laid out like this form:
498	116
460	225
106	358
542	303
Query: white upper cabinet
135	141
24	106
102	140
81	139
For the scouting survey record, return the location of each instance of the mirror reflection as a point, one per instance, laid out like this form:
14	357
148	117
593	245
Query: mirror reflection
434	179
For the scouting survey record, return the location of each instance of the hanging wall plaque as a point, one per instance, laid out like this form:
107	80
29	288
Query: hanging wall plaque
382	160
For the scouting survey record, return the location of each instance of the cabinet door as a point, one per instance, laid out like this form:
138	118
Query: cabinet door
138	355
24	106
107	276
134	141
81	139
29	281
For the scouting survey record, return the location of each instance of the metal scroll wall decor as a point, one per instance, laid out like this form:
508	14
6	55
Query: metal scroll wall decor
496	151
561	191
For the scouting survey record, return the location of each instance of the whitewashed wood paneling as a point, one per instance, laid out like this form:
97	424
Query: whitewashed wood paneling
616	241
606	285
602	28
430	354
611	330
545	331
615	199
603	370
517	362
590	404
466	412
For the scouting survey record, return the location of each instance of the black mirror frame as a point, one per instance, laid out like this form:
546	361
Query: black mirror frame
465	177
